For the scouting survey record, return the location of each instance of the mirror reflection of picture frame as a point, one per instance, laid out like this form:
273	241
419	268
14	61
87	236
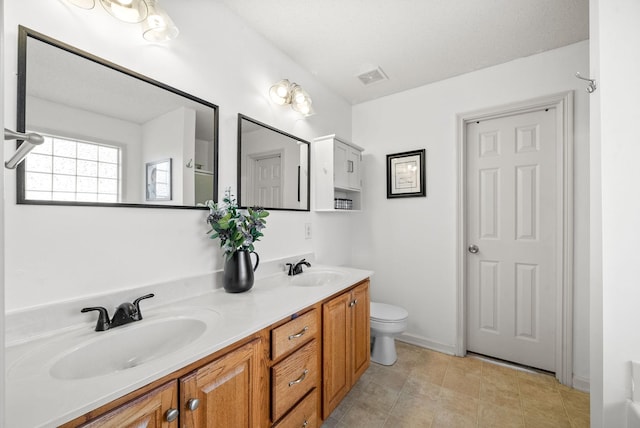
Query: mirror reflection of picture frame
158	180
406	175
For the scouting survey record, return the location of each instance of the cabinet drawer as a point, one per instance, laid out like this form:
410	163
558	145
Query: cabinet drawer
304	414
290	335
292	378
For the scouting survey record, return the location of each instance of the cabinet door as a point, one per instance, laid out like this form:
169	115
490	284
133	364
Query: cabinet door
147	411
228	390
340	162
336	337
353	168
361	342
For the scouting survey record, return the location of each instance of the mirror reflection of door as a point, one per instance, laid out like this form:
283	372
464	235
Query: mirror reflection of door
267	180
273	167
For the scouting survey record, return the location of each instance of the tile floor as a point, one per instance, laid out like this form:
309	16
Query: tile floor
429	389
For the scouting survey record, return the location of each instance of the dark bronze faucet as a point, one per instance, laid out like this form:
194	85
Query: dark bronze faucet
295	269
125	313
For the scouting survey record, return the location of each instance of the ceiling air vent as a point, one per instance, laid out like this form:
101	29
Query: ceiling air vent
372	76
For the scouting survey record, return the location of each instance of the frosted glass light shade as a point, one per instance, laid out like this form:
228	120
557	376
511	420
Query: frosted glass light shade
158	27
279	93
300	100
131	11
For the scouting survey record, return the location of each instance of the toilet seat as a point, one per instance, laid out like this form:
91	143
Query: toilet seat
384	313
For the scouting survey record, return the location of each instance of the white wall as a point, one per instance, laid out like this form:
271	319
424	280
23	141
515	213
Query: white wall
410	243
615	295
2	224
58	253
171	136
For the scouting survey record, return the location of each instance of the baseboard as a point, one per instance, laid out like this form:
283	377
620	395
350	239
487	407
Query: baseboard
426	343
581	384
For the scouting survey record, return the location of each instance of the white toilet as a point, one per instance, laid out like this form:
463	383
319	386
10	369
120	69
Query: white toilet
387	321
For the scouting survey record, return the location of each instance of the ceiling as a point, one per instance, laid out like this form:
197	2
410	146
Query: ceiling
415	42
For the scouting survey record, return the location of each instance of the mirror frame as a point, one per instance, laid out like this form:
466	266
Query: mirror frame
23	35
242	117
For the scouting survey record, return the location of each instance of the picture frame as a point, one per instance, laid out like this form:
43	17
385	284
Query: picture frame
158	180
406	174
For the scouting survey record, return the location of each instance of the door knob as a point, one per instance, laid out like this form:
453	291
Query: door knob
473	248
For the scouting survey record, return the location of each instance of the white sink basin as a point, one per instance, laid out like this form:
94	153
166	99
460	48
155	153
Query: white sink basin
127	348
316	278
86	354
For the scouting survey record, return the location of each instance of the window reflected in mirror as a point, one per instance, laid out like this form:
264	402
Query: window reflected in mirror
69	170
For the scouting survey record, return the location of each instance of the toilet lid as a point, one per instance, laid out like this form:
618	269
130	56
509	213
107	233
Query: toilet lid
383	312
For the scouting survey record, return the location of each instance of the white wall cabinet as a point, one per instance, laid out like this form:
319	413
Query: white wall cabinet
338	173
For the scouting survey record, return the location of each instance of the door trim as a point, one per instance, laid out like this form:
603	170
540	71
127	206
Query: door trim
563	103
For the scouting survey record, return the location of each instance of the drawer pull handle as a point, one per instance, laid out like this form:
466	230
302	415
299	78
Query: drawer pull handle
297	335
300	379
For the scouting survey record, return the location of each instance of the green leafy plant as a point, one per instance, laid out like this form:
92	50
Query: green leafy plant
236	229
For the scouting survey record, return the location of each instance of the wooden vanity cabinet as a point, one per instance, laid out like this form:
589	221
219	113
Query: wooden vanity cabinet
346	344
229	391
290	374
149	410
224	393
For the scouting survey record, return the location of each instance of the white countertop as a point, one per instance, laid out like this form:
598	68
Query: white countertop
37	399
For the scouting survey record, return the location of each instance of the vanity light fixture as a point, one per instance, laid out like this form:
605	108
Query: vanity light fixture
30	141
285	92
131	11
158	27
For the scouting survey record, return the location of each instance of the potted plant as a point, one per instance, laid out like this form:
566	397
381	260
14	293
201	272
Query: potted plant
237	231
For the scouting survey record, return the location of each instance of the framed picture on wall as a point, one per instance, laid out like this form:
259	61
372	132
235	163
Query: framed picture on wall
158	180
406	175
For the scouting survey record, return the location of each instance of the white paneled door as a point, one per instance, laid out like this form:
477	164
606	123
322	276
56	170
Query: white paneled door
268	182
512	229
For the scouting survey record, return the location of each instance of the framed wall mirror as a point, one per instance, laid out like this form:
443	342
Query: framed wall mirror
105	128
273	167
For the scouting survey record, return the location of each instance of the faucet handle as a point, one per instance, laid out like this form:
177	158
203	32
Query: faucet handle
136	303
103	317
290	268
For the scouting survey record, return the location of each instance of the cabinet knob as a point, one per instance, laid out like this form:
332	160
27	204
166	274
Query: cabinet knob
171	415
305	423
353	303
193	404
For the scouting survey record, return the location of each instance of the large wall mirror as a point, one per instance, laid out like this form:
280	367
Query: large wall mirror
273	167
112	137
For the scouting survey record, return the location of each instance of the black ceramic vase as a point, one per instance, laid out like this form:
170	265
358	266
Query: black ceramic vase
238	272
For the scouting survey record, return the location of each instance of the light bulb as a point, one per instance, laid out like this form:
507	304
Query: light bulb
279	92
282	91
156	21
